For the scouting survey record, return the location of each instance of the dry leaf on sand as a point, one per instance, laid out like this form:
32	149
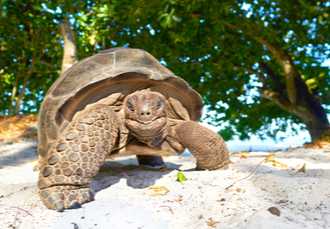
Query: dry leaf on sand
270	159
211	223
244	155
302	169
157	190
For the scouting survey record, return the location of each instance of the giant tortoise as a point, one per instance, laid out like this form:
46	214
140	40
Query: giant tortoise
118	102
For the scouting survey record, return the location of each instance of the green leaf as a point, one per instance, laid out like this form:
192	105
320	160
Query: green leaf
180	177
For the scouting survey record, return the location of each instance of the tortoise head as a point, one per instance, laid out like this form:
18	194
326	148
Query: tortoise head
145	116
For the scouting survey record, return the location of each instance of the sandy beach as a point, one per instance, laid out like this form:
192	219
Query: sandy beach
283	189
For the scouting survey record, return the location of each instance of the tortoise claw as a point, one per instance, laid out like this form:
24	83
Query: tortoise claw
60	198
59	206
75	205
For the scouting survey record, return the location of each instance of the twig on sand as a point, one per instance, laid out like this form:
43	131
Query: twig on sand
168	207
15	222
15	192
23	210
248	176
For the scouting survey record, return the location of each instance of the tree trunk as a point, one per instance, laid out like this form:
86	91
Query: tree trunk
293	95
70	50
310	110
21	95
13	97
318	129
306	107
315	119
298	98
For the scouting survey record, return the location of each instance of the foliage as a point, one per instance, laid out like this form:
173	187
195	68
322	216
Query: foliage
180	177
30	54
219	47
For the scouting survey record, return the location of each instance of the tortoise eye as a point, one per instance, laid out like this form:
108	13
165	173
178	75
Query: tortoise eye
130	106
159	104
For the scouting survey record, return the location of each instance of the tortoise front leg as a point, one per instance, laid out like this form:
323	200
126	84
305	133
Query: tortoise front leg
207	147
76	157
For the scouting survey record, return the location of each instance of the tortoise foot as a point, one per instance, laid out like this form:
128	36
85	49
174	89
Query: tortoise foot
223	165
65	197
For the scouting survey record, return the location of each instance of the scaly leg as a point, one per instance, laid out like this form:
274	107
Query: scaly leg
207	147
76	157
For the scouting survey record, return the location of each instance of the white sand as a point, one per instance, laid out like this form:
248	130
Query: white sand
125	200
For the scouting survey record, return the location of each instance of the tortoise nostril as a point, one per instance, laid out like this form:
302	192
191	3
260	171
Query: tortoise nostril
145	113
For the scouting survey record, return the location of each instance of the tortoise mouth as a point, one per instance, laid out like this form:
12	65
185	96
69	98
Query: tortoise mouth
154	123
146	128
146	122
151	133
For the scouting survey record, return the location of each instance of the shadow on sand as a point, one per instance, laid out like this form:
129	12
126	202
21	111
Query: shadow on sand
17	154
111	172
136	176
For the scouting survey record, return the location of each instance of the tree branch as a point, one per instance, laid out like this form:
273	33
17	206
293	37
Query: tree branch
290	72
26	77
278	99
21	94
275	79
282	57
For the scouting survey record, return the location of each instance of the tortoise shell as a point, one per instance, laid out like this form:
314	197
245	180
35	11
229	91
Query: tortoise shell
118	70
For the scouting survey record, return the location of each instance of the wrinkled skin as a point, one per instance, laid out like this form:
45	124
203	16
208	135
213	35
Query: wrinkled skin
65	177
145	117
